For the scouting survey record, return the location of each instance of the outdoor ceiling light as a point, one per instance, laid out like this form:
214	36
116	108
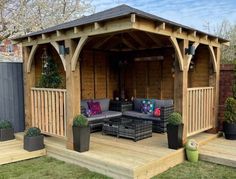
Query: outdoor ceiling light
63	50
190	50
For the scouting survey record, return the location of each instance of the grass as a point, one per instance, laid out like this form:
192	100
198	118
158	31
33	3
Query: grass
49	168
199	170
46	168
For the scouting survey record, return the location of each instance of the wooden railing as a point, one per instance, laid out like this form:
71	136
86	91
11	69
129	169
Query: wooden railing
48	107
200	109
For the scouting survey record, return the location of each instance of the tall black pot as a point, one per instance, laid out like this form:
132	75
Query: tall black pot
229	130
175	135
81	137
6	134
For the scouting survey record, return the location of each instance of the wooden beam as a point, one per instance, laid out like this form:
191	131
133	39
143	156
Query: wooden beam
56	46
97	25
160	26
154	39
30	39
178	52
59	33
128	44
78	49
213	57
99	44
44	36
133	18
196	44
137	38
31	57
178	30
78	29
192	33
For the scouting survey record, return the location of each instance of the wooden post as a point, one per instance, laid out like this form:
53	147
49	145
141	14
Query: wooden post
73	91
181	86
214	79
29	81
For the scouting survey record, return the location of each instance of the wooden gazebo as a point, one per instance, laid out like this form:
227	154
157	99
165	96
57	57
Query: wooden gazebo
156	55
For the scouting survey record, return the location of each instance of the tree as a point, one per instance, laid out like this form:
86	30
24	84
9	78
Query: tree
19	17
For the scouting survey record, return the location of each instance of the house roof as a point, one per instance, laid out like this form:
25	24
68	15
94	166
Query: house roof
116	12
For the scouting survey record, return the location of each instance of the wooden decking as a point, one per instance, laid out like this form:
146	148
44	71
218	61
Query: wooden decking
12	151
122	158
220	151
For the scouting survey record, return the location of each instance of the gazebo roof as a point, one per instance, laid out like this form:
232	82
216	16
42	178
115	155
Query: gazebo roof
113	13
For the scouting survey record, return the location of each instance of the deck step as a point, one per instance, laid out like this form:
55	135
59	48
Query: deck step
219	151
12	151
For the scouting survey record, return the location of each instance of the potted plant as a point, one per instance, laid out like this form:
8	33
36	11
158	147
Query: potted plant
229	124
175	131
81	133
6	130
33	139
191	148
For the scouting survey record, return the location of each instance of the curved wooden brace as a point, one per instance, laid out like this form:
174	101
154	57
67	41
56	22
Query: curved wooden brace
31	57
195	44
56	46
178	52
213	57
78	49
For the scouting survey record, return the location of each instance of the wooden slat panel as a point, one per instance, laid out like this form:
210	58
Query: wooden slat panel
200	109
48	108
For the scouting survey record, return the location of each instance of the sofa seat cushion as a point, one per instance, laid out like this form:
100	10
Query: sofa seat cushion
111	114
97	117
133	114
163	103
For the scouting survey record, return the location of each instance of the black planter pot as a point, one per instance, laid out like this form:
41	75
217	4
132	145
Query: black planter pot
175	134
6	134
33	143
229	130
81	137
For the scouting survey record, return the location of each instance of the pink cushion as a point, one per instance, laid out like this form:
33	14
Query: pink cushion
94	107
157	112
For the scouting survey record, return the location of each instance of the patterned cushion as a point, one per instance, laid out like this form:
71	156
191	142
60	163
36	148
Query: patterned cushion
147	106
94	107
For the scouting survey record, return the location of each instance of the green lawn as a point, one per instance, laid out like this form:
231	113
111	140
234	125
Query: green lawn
46	168
49	168
200	170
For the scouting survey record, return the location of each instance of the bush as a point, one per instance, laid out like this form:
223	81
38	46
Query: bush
234	91
175	118
80	120
191	145
230	110
4	124
33	131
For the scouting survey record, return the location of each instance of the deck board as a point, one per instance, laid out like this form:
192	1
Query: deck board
120	157
220	151
12	151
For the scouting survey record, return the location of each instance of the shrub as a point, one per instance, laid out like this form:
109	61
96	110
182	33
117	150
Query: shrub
80	120
175	118
230	110
33	131
4	124
191	145
234	91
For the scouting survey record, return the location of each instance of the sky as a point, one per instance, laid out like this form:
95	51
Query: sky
194	13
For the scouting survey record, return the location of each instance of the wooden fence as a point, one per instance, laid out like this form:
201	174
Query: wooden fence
49	110
200	109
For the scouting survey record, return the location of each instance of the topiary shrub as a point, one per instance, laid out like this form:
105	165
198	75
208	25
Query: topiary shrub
230	110
4	124
80	121
175	118
33	131
191	145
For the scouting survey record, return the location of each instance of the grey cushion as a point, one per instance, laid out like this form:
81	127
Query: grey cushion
104	103
84	103
110	114
132	114
96	117
163	103
138	104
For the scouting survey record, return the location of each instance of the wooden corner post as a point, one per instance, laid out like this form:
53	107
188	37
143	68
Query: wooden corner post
29	81
181	82
73	91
